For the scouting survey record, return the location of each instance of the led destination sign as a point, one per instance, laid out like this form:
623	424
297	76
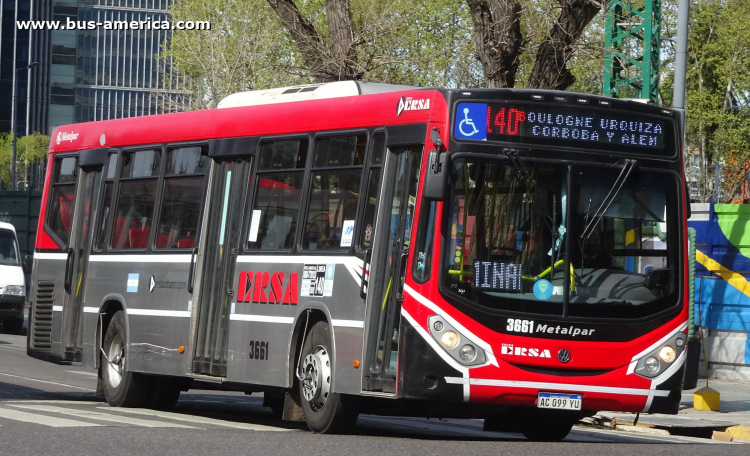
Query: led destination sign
557	125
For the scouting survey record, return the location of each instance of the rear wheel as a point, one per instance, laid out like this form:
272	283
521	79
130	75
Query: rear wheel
121	387
326	412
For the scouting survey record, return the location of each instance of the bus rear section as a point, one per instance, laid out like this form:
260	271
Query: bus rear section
554	283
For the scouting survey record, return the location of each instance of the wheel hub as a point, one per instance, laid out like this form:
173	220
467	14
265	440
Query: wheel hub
115	355
316	377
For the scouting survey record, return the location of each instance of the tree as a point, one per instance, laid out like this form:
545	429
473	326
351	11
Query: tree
255	44
245	49
718	108
31	152
500	43
402	42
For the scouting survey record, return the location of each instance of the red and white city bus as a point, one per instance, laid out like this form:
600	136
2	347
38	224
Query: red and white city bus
345	248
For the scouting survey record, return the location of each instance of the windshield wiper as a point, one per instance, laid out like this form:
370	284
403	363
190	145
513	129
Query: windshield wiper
526	178
609	199
550	221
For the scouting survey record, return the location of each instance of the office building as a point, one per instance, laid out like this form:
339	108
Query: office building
98	74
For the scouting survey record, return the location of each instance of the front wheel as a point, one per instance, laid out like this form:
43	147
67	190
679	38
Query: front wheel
122	388
326	412
546	431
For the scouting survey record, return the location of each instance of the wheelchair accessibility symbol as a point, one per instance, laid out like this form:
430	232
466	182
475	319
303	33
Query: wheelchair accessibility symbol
468	122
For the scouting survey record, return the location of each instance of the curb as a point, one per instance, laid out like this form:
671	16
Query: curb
739	432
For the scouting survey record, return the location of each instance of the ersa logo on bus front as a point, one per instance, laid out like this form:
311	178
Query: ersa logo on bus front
412	104
63	136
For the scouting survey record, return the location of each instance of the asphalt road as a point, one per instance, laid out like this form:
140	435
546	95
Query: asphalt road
51	409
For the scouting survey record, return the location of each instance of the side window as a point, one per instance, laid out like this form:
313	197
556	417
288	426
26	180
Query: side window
109	183
278	193
62	198
184	184
373	189
135	199
423	247
334	193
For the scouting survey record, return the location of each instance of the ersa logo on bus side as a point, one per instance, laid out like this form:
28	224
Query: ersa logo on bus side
412	104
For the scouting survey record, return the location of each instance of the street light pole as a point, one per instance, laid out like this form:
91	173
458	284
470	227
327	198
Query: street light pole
14	179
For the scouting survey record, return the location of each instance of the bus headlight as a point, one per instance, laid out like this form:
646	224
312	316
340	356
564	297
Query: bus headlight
14	290
458	346
652	365
449	339
667	354
467	353
660	357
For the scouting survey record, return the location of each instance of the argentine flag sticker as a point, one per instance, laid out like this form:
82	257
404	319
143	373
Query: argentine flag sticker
133	283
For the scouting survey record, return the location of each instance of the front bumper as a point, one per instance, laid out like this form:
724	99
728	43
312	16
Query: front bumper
11	307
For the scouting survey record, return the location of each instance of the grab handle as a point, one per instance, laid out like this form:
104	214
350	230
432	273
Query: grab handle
68	268
365	278
190	271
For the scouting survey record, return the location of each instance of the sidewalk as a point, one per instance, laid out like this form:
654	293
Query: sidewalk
733	419
734	407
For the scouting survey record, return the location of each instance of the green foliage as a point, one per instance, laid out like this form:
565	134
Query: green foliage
246	49
30	149
718	86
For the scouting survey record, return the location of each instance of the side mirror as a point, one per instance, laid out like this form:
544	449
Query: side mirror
436	180
28	261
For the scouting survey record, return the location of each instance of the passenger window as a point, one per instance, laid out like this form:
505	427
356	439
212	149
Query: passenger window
135	200
340	151
144	163
334	195
373	189
184	185
274	218
109	182
287	154
62	198
187	160
278	194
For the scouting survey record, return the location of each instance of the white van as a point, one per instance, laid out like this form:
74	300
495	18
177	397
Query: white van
12	284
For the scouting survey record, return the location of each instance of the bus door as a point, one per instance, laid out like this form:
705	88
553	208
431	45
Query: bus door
219	247
79	247
388	267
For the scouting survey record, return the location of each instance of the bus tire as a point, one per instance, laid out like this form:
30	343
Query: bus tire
326	412
122	388
540	431
163	392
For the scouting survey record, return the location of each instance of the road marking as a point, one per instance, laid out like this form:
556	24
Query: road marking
42	419
47	381
101	416
46	401
90	374
196	419
12	348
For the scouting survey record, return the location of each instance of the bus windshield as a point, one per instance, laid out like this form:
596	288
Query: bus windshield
8	248
513	226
